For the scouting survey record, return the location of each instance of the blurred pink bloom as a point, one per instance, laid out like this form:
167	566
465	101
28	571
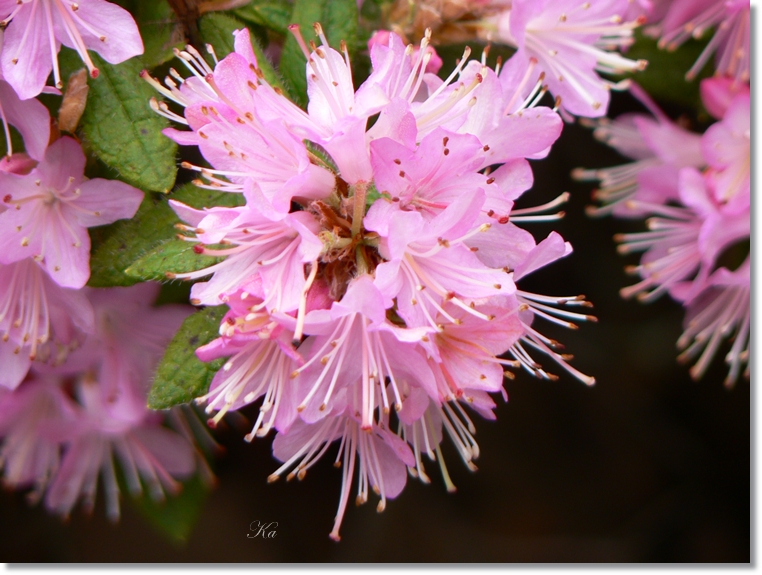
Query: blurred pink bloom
30	451
39	320
731	40
721	311
37	28
660	148
108	427
51	207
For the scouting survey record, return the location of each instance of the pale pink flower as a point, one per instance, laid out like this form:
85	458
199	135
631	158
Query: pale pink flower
569	42
30	117
39	320
372	268
30	451
380	455
265	244
51	207
128	339
262	359
37	28
726	146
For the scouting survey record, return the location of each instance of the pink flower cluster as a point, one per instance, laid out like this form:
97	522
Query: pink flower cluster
76	361
371	274
695	191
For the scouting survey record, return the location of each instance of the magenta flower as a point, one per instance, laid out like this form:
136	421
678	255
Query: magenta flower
50	209
37	28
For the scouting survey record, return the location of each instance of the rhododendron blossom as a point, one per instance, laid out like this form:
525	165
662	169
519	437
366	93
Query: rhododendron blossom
696	191
49	210
37	28
566	42
371	270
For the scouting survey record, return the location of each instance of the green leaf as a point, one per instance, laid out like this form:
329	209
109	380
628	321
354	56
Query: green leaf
217	29
171	257
127	241
664	78
275	16
123	131
158	27
181	376
176	516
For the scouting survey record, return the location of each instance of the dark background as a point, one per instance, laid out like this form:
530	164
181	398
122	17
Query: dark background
646	466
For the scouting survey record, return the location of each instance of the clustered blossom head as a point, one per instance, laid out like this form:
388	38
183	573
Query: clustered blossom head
76	361
695	191
371	274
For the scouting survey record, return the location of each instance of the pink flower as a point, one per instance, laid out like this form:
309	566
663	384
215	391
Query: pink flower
570	42
51	208
380	455
731	40
37	28
726	145
372	268
39	320
128	339
721	312
30	452
262	360
265	244
107	428
660	149
29	117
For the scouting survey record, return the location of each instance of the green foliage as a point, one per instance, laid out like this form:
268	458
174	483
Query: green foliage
181	376
339	21
123	131
174	256
217	29
664	78
158	28
127	242
275	16
176	516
